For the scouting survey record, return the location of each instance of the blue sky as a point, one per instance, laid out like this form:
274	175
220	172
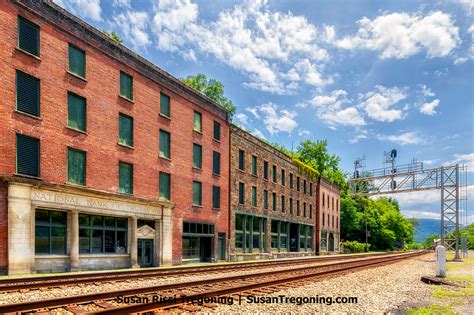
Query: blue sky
368	76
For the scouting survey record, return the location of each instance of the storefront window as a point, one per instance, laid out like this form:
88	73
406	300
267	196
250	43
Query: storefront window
50	232
102	234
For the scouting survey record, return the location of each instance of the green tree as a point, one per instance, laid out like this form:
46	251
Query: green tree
114	36
211	88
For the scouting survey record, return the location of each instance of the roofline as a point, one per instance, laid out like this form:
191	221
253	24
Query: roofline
116	50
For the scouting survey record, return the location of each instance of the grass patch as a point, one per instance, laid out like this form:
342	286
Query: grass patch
430	310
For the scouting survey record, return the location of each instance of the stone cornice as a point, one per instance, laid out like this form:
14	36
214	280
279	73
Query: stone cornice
23	181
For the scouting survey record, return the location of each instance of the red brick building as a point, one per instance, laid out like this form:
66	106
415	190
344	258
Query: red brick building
329	215
106	160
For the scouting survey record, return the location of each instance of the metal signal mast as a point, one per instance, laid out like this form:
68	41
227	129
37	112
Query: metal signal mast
413	177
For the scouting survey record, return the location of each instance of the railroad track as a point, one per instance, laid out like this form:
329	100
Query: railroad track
32	283
166	297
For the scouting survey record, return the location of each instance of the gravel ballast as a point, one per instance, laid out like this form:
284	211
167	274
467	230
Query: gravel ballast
387	289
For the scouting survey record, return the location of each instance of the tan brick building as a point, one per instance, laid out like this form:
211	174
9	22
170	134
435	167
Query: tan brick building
272	203
105	159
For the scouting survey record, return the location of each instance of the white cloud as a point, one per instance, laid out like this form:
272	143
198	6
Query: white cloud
359	135
403	138
277	120
242	118
258	133
423	199
429	108
378	104
133	25
334	100
401	35
467	159
347	117
265	45
87	8
426	91
121	3
429	162
303	133
421	214
468	5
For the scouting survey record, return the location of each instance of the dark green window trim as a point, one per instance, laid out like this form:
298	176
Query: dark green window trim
125	130
165	106
217	131
27	94
76	112
241	160
125	178
77	61
197	122
216	163
197	193
126	85
283	204
265	199
50	232
76	166
274	205
254	165
165	186
265	169
28	36
241	193
197	156
165	144
98	234
27	155
291	205
254	196
283	177
274	173
216	197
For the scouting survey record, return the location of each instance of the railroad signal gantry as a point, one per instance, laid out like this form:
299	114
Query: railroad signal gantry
450	179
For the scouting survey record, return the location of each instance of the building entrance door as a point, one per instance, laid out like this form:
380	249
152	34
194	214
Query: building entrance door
294	237
145	252
221	246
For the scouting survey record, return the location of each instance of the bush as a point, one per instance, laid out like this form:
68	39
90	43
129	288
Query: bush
412	246
354	247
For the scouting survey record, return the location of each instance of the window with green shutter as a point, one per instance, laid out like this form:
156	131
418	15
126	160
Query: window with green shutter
254	196
216	197
197	156
197	121
165	141
77	61
274	205
241	160
217	131
27	94
283	177
76	166
27	155
291	205
126	85
125	178
265	199
283	204
28	36
216	163
165	109
76	112
254	165
125	130
265	170
241	193
165	186
274	173
197	193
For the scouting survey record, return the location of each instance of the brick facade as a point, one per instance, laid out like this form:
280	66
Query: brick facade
252	146
104	61
3	229
329	217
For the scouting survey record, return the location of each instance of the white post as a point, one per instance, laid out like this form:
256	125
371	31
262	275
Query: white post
440	261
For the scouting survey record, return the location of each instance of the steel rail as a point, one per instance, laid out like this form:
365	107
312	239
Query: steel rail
89	298
15	284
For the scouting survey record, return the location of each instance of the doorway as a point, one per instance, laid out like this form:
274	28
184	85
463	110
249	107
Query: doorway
294	237
145	252
221	246
331	242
